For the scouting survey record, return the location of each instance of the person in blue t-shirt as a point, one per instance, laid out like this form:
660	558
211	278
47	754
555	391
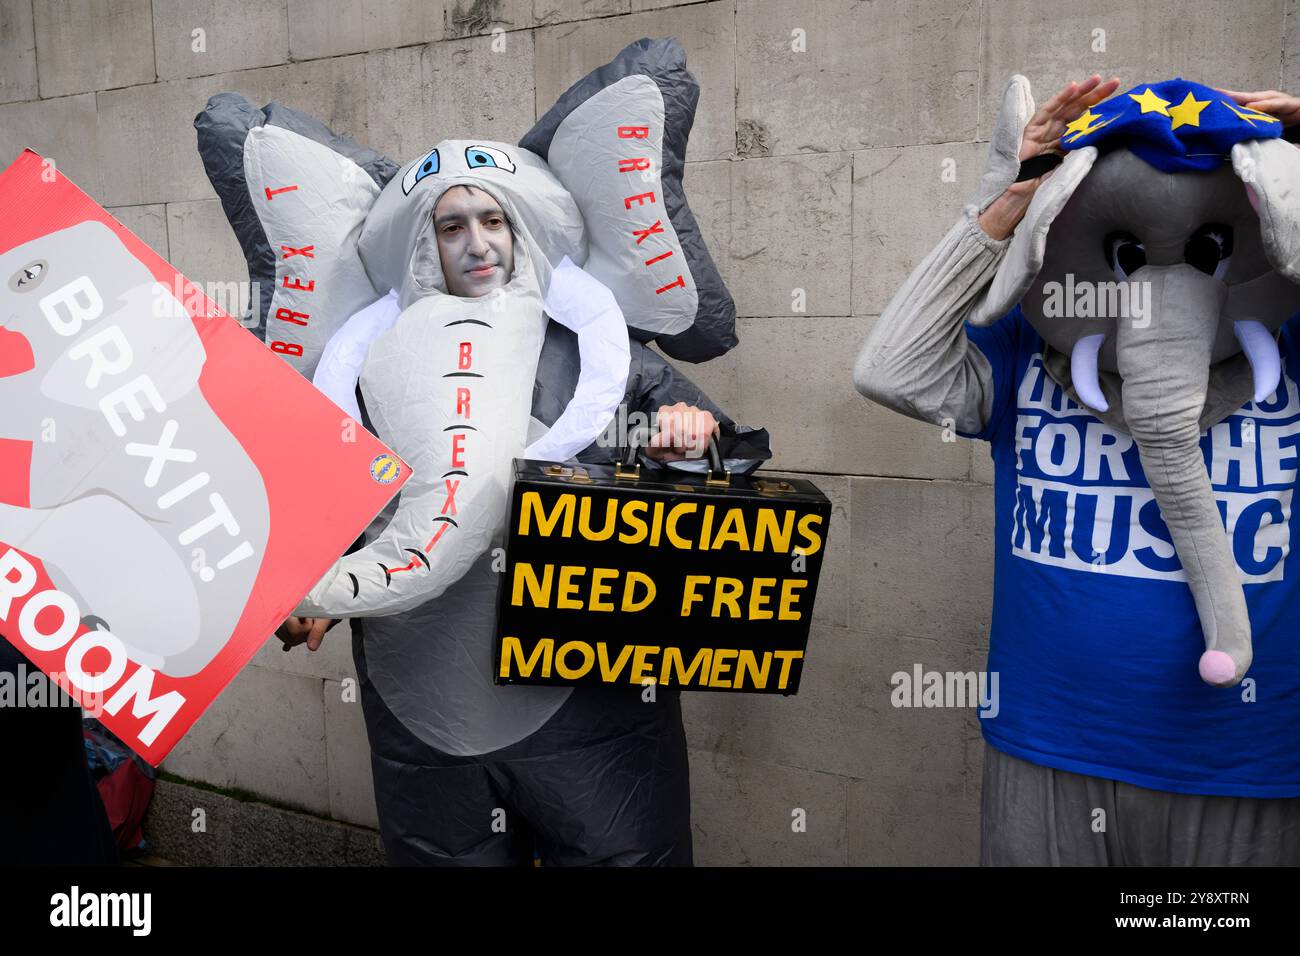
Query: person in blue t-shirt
1110	745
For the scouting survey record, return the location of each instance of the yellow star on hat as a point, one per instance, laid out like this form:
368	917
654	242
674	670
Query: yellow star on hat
1087	123
1188	112
1150	103
1249	115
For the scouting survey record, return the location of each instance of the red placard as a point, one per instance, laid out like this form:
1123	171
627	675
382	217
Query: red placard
169	487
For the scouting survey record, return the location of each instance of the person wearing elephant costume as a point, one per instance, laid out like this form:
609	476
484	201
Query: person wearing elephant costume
602	243
1117	328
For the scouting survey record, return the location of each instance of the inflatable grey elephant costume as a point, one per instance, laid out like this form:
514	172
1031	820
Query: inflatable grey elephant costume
459	387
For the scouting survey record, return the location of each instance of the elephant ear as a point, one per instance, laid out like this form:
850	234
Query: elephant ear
617	141
1270	170
296	194
1024	256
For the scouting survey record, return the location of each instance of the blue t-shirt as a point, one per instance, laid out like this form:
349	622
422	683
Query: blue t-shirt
1095	636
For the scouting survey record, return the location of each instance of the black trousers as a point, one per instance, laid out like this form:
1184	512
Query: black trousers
605	781
50	811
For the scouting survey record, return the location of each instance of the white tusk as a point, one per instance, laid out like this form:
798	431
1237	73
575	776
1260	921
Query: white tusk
579	301
1083	371
1261	352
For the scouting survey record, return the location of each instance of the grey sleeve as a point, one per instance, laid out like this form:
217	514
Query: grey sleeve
917	359
653	382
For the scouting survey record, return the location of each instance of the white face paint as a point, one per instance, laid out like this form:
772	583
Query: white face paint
475	242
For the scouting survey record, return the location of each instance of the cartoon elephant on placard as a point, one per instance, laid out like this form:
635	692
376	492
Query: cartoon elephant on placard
1214	253
107	492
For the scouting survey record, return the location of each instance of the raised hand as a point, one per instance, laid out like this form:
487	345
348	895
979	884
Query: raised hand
1042	134
1047	125
1282	105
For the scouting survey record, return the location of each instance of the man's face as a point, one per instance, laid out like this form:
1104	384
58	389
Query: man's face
475	243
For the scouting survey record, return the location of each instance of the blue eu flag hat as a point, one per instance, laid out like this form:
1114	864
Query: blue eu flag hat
1175	126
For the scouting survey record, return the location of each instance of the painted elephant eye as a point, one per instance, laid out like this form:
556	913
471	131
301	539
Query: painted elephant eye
1210	249
28	277
425	167
476	156
1125	253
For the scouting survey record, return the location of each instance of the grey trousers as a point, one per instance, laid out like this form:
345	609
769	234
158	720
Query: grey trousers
1037	816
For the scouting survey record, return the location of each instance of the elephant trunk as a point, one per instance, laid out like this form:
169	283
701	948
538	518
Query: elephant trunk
1164	361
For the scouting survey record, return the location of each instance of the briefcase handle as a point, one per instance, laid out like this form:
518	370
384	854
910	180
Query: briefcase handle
629	469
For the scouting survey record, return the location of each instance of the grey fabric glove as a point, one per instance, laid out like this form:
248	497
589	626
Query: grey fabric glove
1003	163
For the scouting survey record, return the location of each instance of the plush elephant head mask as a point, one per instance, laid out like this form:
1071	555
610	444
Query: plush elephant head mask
1158	263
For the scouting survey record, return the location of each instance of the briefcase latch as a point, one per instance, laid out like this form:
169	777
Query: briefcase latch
778	487
564	471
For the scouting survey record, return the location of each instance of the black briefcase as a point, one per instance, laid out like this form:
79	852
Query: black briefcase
626	576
